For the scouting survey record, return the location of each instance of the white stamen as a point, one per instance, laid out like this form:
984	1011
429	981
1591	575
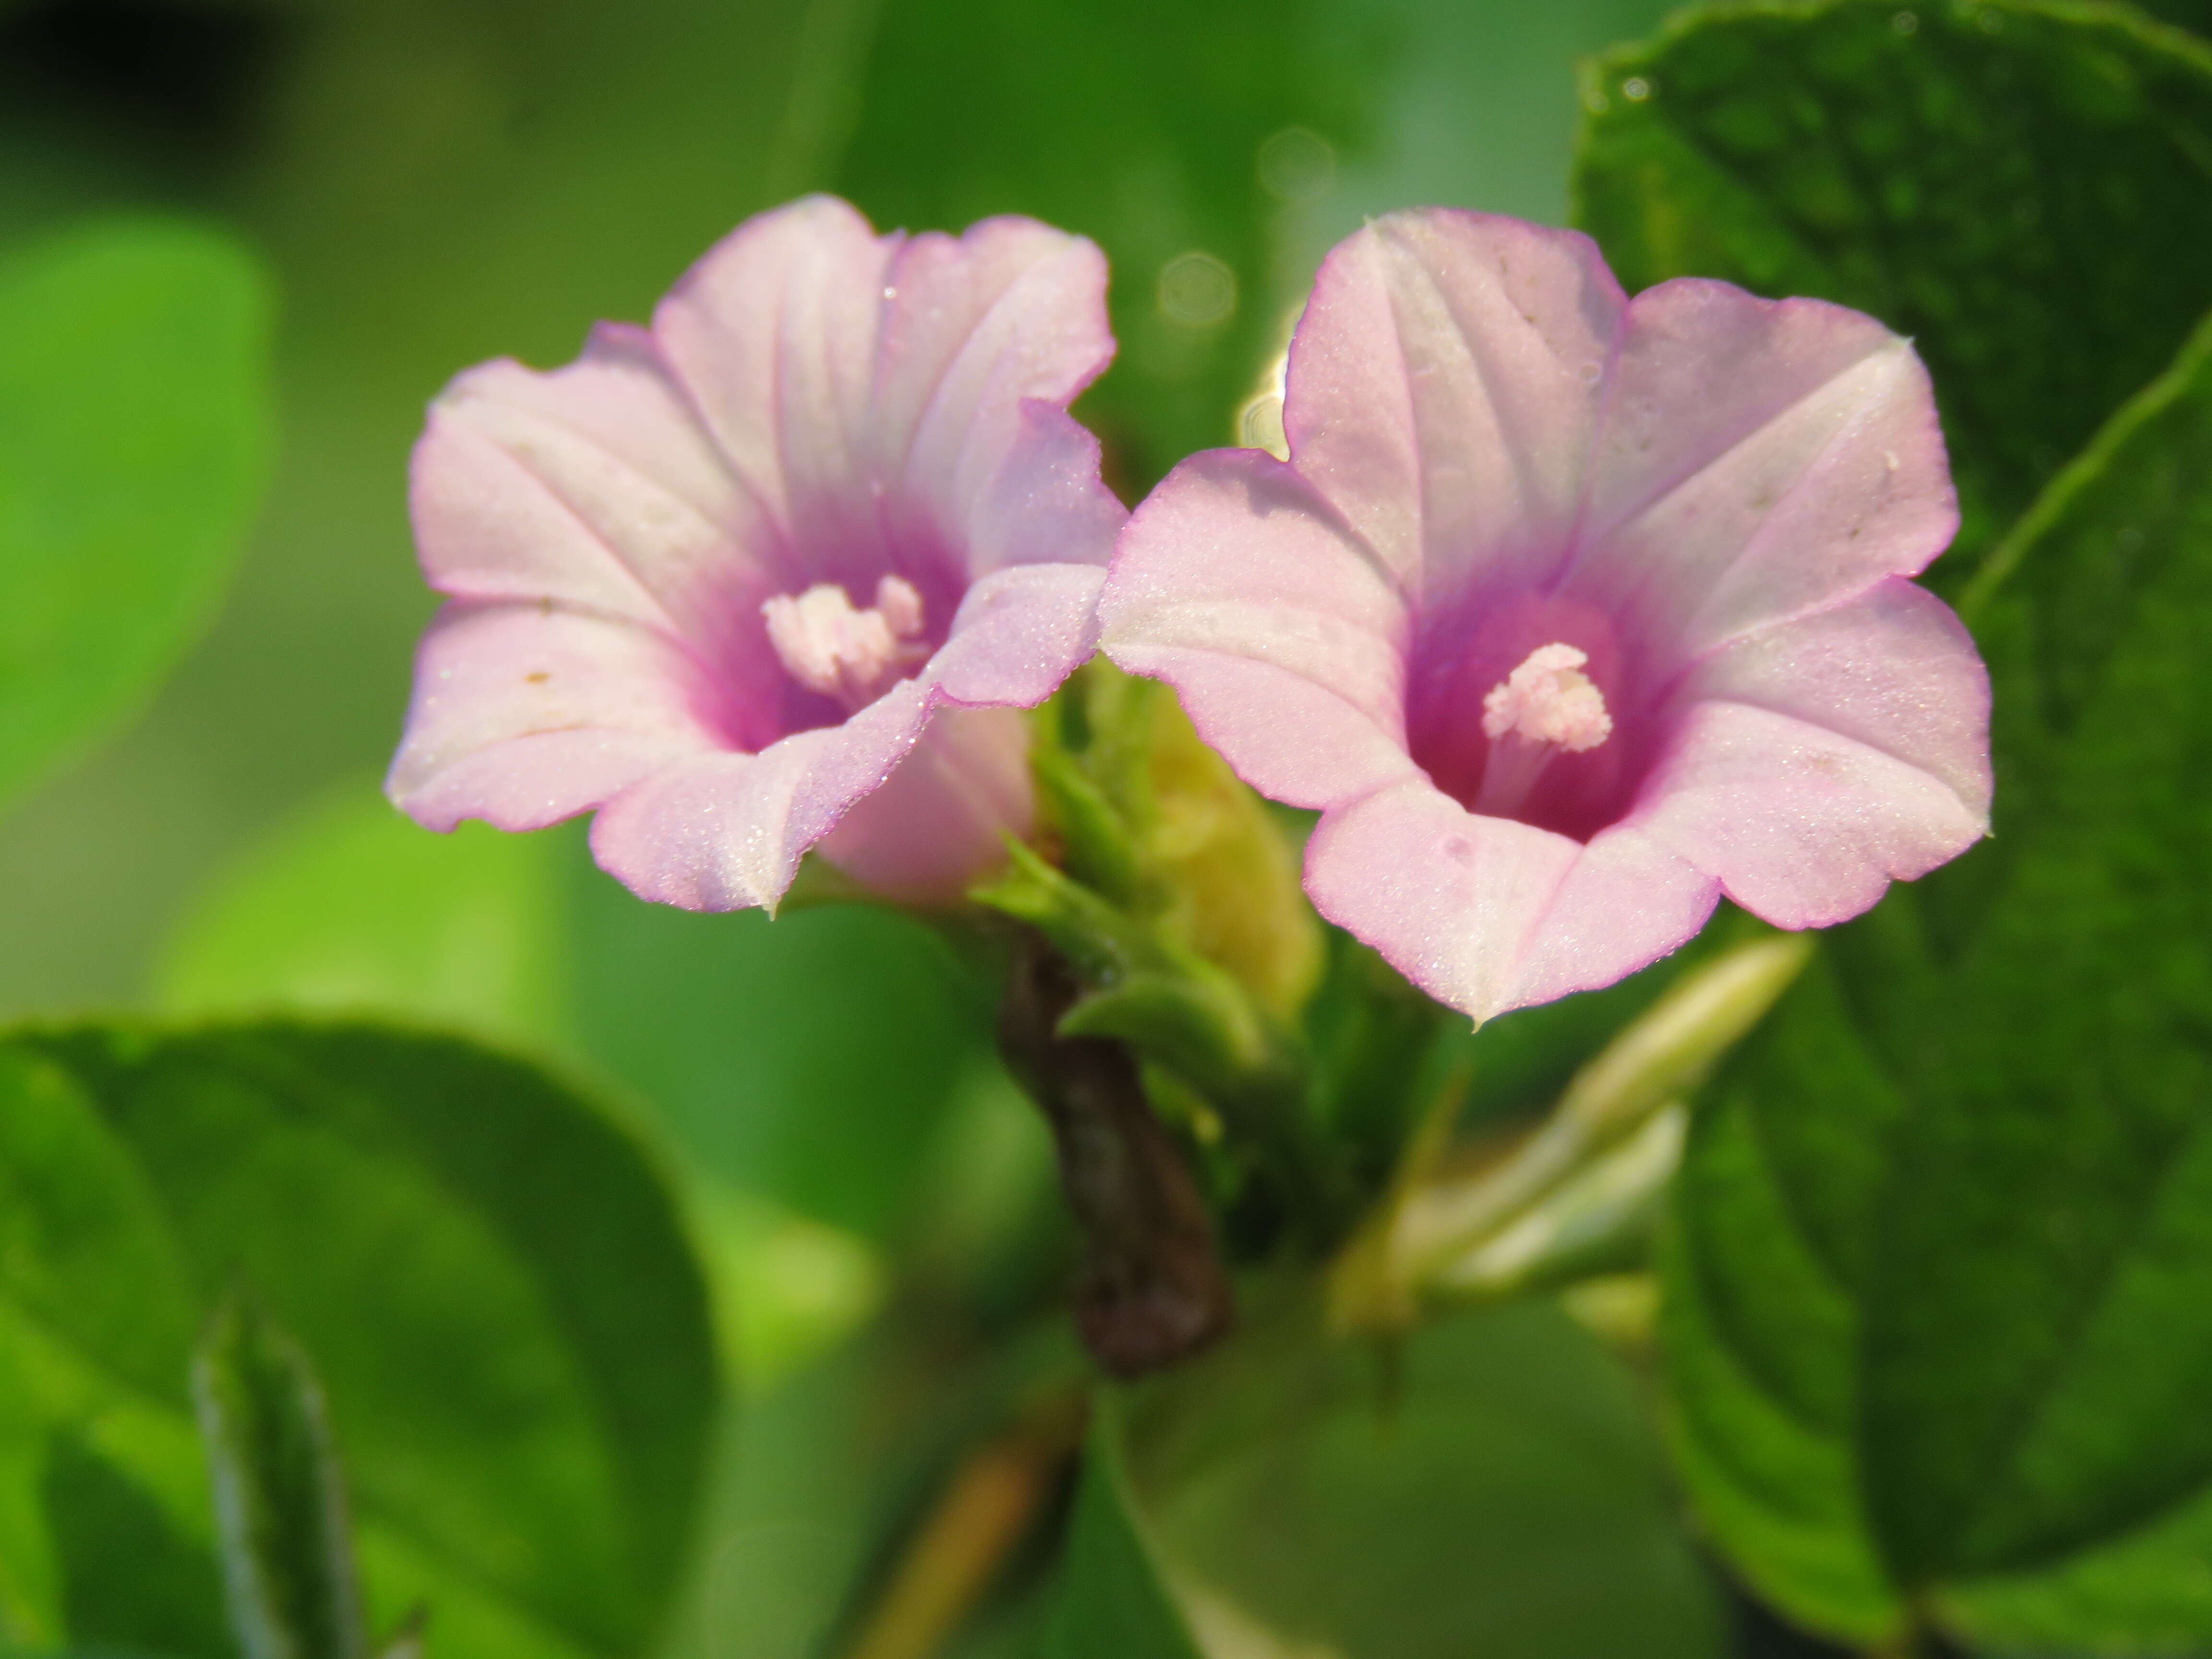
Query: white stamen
830	647
901	606
1548	699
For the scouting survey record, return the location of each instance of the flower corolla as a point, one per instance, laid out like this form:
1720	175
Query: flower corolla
1571	612
776	571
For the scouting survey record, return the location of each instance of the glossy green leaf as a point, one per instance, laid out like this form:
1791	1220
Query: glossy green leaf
1112	1601
2021	187
134	437
1490	1486
1940	1297
490	1281
280	1497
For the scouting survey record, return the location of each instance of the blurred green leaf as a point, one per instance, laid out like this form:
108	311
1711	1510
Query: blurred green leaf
1111	1601
808	1059
2194	16
819	1484
169	1600
2021	187
491	1282
1490	1486
280	1497
1940	1297
351	906
134	438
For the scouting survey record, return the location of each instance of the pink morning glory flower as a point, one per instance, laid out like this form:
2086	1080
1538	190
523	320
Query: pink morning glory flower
777	571
1571	612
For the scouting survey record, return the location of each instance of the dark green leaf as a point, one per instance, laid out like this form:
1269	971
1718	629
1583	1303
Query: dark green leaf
170	1599
2024	188
134	435
1490	1487
1942	1289
2193	14
279	1498
491	1283
1112	1601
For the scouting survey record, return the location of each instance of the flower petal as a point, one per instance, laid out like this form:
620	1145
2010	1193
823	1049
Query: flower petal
525	715
1759	459
873	388
773	334
592	482
595	485
1011	311
1046	501
725	831
1488	914
1444	389
1236	584
1895	669
942	817
919	816
1017	634
1820	760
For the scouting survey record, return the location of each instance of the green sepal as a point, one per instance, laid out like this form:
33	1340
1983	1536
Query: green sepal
1105	943
1096	843
1194	1021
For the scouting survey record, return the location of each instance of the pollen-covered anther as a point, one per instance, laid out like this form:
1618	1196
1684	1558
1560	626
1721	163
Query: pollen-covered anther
829	646
1548	699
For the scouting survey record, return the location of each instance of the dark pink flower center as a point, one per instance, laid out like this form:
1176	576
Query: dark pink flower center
1525	708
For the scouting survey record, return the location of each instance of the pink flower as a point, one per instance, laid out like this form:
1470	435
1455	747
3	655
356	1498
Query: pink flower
776	571
1571	612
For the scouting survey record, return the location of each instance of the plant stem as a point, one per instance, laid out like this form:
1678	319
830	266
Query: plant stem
985	1511
1153	1290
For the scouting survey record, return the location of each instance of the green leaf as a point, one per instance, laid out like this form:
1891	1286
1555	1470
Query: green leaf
169	1601
1939	1292
479	1263
810	1060
1489	1487
279	1492
134	439
2021	187
352	907
1111	1601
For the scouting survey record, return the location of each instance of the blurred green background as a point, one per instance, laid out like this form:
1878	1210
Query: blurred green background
435	182
430	183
